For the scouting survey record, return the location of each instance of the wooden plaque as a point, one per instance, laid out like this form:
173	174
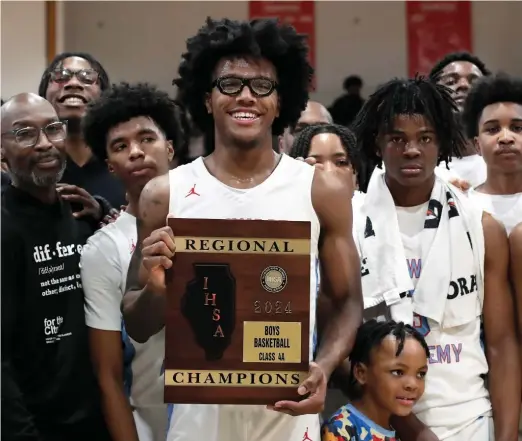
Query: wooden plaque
238	311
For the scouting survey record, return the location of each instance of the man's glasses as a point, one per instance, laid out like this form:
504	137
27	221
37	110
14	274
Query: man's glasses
85	76
28	136
232	86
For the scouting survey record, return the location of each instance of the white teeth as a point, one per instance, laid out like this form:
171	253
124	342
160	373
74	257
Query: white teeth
244	115
73	100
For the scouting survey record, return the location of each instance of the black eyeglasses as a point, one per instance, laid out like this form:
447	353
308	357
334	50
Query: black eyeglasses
259	87
85	76
28	136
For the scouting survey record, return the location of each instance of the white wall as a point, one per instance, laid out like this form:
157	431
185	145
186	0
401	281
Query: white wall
22	36
144	40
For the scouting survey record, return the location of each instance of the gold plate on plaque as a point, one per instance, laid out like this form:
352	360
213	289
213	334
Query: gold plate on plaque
271	342
215	378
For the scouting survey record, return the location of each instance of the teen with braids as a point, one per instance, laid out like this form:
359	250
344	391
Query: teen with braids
456	271
458	71
388	366
247	81
131	128
331	146
493	120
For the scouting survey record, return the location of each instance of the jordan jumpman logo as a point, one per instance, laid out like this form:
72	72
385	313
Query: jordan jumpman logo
306	437
192	191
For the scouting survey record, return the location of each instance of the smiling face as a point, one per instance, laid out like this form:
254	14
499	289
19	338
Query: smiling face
41	162
73	84
244	101
393	383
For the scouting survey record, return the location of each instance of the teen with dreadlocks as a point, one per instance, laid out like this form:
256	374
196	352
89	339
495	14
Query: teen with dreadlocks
70	82
131	128
247	81
388	366
457	264
458	71
493	119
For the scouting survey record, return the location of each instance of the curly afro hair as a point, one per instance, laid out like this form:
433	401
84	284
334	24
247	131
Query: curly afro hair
452	58
95	64
266	38
303	142
498	88
417	96
123	102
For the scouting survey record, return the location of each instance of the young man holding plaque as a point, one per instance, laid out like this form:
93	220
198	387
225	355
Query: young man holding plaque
247	81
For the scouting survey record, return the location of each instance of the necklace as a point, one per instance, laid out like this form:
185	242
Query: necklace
251	179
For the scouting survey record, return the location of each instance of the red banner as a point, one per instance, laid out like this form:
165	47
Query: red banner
436	28
301	15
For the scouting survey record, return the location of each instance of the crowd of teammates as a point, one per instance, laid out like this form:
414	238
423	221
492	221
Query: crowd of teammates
416	234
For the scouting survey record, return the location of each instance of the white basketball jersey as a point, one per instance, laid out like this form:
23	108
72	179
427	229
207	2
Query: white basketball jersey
507	209
455	393
105	264
471	168
286	195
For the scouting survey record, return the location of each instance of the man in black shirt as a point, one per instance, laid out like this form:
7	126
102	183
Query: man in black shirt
70	83
49	392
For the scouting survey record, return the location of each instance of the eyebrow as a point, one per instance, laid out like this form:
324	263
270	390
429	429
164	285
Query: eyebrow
424	130
29	123
337	155
517	120
140	132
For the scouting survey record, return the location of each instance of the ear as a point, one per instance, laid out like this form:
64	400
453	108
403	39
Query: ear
170	151
477	145
281	144
360	372
208	102
278	108
109	166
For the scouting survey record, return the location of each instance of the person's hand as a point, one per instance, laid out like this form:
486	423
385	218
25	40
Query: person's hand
110	218
157	252
461	184
78	195
310	161
315	385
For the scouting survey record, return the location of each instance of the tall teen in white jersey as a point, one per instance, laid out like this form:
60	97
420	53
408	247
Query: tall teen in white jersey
458	71
131	127
493	119
249	80
433	259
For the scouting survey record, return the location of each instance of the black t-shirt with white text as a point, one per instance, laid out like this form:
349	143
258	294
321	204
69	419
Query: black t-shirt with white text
50	389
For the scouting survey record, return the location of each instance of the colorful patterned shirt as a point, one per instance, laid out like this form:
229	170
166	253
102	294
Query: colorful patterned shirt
349	424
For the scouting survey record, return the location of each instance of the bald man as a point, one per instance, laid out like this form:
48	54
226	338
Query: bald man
49	392
315	113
